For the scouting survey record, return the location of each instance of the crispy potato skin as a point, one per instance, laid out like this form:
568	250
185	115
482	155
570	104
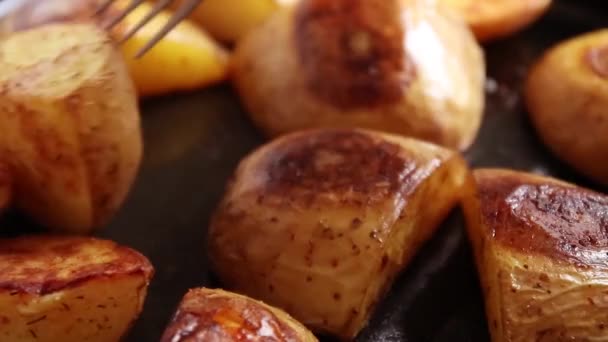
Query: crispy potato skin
360	64
208	315
496	19
332	216
187	58
567	97
70	121
540	246
69	289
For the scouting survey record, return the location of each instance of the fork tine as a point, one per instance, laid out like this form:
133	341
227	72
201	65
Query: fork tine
158	6
103	7
182	12
134	4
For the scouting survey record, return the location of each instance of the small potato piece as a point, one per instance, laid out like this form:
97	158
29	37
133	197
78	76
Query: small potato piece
567	96
541	247
187	58
399	66
69	289
493	19
214	315
319	223
230	20
69	118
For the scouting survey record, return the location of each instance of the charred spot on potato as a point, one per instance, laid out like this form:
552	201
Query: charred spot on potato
551	219
205	314
350	164
597	59
46	252
352	51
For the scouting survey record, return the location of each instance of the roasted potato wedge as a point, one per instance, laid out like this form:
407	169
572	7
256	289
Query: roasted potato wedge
214	315
71	139
540	246
399	66
69	289
567	97
319	223
498	18
187	58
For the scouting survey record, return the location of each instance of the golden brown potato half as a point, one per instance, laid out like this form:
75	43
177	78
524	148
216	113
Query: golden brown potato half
206	315
492	19
71	143
541	248
69	289
319	223
187	58
399	66
567	96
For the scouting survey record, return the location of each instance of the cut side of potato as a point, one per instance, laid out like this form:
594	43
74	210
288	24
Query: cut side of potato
69	289
215	315
498	18
541	247
567	96
187	58
319	223
402	67
69	118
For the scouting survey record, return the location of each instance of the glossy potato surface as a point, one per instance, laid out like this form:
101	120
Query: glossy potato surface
567	97
492	19
399	66
319	223
206	315
541	247
69	289
71	140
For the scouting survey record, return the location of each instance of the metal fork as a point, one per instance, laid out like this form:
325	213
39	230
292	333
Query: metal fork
181	13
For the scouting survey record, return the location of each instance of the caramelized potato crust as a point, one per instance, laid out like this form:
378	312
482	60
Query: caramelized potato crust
215	315
541	249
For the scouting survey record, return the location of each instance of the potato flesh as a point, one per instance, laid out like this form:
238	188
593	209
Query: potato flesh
100	310
530	296
81	289
70	124
339	258
216	315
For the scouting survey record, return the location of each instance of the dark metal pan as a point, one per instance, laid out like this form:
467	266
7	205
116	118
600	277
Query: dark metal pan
194	141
